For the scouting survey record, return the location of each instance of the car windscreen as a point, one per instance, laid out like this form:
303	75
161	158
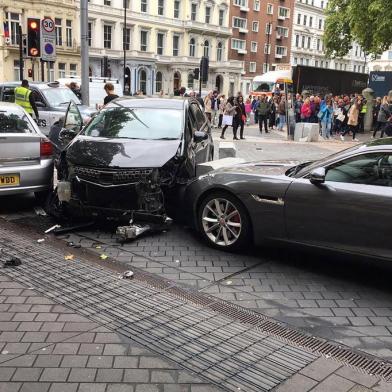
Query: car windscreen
136	123
14	121
58	96
322	162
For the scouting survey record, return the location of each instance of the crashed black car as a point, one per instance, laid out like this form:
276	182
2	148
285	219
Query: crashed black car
133	160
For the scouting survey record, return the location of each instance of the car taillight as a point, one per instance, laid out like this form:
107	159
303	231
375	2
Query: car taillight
46	148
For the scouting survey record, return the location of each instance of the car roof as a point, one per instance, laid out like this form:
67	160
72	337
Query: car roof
11	105
38	85
149	102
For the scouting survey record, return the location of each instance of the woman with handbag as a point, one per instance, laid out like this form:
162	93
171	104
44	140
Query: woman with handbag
353	119
228	114
239	119
383	116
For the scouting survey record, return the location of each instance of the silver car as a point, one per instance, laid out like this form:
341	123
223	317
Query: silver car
26	163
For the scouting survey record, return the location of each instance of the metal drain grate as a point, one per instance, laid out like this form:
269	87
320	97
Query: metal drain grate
226	352
171	321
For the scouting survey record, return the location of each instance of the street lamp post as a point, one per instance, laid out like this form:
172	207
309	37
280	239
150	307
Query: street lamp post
125	46
84	51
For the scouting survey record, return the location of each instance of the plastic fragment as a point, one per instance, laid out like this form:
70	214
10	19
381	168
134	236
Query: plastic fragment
40	211
103	256
69	257
229	282
52	228
40	240
128	275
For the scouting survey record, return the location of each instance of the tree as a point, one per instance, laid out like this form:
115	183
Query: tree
366	22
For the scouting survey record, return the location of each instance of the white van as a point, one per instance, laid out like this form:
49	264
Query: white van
270	82
96	90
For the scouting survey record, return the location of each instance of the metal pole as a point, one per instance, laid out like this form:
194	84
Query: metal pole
124	45
43	71
200	76
20	53
84	51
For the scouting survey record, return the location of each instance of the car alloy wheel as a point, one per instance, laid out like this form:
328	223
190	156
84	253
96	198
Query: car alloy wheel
223	221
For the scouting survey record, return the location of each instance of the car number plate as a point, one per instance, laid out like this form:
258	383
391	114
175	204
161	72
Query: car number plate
9	180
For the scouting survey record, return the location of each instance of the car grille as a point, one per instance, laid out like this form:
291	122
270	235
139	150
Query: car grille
111	176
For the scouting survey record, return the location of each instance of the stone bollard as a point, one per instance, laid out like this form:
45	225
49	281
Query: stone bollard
227	150
368	93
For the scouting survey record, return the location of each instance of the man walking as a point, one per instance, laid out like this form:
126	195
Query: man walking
25	99
215	101
263	111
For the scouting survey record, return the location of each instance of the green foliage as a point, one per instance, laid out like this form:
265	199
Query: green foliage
366	22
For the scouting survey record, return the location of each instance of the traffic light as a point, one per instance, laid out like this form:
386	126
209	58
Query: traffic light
24	45
196	74
204	69
106	66
30	73
33	37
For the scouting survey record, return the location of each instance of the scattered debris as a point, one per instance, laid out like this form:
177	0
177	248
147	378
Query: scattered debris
229	282
52	228
69	257
73	245
132	231
127	275
98	247
103	256
40	211
67	229
177	261
40	240
11	261
5	352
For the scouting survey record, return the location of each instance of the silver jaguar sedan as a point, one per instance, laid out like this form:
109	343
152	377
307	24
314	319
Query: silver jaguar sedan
26	163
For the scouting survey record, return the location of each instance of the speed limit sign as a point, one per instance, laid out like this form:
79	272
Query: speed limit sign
48	25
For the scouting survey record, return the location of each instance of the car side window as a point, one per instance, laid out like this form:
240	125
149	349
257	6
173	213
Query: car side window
38	97
368	169
8	94
198	115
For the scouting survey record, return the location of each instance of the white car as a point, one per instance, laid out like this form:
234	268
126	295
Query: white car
26	163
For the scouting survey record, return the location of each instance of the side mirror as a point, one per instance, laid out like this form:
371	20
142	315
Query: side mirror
66	133
317	176
200	136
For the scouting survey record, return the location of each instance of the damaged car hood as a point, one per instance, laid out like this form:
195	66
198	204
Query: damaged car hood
124	153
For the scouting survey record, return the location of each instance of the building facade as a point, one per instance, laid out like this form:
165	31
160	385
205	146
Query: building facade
164	41
382	62
307	40
14	13
261	36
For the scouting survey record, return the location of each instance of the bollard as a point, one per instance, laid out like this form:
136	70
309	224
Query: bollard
368	93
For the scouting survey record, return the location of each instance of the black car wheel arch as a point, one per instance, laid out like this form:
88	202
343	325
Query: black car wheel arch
223	221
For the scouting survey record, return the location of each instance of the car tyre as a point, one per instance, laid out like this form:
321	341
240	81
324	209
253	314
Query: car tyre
223	221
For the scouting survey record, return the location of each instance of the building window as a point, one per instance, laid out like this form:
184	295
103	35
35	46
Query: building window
320	24
305	19
13	27
161	5
268	28
68	32
253	46
309	41
160	38
281	50
256	5
192	47
127	39
193	11
270	9
143	41
176	44
73	70
297	41
241	3
303	41
221	17
16	76
158	82
239	23
316	63
295	61
299	19
282	31
143	5
107	37
61	70
219	50
208	15
89	33
252	66
284	12
51	71
143	81
255	27
206	51
190	80
310	21
106	2
59	31
265	67
267	48
238	44
176	9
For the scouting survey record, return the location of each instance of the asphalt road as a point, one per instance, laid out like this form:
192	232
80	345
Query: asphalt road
340	299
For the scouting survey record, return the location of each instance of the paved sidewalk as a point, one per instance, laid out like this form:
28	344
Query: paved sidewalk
48	347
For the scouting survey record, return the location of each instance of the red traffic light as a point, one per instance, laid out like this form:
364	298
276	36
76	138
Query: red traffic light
33	25
34	52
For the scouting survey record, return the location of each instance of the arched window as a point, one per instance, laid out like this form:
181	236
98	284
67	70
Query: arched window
143	81
158	82
190	80
206	49
219	51
192	47
176	82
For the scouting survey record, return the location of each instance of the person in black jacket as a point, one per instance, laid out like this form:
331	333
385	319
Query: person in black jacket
240	117
109	88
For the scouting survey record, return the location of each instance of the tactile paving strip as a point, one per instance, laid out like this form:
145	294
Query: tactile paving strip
229	353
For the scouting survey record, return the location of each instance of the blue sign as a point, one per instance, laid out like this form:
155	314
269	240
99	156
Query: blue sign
49	48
